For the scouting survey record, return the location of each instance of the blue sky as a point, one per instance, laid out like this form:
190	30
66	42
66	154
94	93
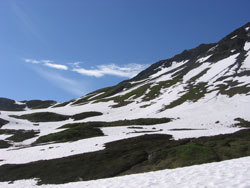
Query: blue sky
63	49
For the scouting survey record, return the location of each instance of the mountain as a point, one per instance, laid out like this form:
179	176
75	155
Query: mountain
213	67
12	105
190	109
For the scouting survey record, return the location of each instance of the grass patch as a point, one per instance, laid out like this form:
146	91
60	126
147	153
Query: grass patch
194	93
4	144
78	132
133	127
155	91
10	105
133	155
38	104
19	135
242	122
185	129
144	132
106	92
128	98
3	122
85	115
43	117
52	117
231	88
140	121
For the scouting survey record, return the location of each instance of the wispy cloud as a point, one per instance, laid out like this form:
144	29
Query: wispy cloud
48	63
127	71
32	61
56	66
72	86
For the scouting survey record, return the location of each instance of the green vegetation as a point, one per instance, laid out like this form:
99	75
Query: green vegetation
133	127
236	90
145	131
134	155
122	100
19	135
242	122
43	117
4	144
231	88
184	129
3	122
10	105
140	121
106	92
155	91
51	117
85	115
38	104
194	93
79	131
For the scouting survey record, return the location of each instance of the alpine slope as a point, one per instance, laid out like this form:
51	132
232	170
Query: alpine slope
187	110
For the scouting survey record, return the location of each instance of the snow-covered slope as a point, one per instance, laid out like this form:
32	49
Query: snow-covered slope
204	91
228	174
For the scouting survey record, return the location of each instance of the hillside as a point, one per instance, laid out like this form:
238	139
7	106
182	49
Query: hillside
187	110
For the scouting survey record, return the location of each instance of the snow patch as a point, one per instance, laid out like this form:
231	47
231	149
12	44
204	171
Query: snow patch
167	69
234	37
247	46
203	59
217	68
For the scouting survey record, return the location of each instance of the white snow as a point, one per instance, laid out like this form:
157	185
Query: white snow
19	103
96	95
51	151
4	136
195	72
202	59
213	48
247	46
231	174
167	69
247	28
234	36
246	64
217	68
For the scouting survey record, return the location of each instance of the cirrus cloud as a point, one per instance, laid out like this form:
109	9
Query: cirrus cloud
56	66
48	63
128	71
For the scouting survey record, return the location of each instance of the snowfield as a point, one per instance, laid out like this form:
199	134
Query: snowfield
204	111
231	174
